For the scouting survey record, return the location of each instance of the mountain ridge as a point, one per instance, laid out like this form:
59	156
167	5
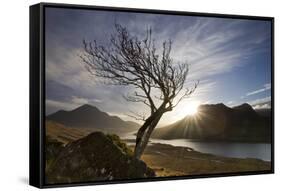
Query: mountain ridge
88	116
218	122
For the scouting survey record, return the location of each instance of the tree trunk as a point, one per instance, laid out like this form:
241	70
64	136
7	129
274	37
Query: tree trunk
144	133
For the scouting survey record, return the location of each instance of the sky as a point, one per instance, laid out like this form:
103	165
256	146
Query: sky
230	57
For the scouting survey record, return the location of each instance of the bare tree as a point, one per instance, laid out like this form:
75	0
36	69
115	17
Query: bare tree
130	61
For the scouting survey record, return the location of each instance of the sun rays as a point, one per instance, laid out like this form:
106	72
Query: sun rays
190	108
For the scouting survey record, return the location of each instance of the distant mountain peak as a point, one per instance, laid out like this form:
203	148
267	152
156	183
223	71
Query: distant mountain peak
219	106
213	105
244	107
87	107
61	111
219	122
88	116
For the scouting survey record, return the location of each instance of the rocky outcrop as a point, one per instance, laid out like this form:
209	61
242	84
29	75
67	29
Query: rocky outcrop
96	157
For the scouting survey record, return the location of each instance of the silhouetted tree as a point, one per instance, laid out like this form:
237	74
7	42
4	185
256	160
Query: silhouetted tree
129	61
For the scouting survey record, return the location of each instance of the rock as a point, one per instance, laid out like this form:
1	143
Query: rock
53	148
95	157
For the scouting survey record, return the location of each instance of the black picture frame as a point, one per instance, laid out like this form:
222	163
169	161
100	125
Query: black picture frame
37	92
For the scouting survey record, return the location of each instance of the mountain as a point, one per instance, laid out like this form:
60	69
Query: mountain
217	122
264	112
88	116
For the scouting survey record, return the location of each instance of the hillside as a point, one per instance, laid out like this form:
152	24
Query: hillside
264	112
90	117
65	134
218	122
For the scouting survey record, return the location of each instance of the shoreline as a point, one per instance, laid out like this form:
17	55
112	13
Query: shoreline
130	140
216	149
168	160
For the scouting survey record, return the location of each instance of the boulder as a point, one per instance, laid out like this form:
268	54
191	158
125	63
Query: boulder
95	157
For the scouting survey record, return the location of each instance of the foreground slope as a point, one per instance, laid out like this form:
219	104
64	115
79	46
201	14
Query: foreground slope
65	134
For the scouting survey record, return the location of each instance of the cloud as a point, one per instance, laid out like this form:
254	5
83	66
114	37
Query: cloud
210	46
261	103
53	106
82	101
205	87
262	106
214	46
230	103
265	88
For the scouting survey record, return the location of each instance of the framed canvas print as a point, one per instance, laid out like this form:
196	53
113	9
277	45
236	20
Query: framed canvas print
122	95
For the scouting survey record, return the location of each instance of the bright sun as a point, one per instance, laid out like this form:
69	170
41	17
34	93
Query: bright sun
187	107
190	108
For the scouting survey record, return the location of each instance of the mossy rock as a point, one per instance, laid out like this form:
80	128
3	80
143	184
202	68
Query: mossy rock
119	143
52	150
96	157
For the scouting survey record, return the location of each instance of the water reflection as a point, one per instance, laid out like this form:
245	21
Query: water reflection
238	150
